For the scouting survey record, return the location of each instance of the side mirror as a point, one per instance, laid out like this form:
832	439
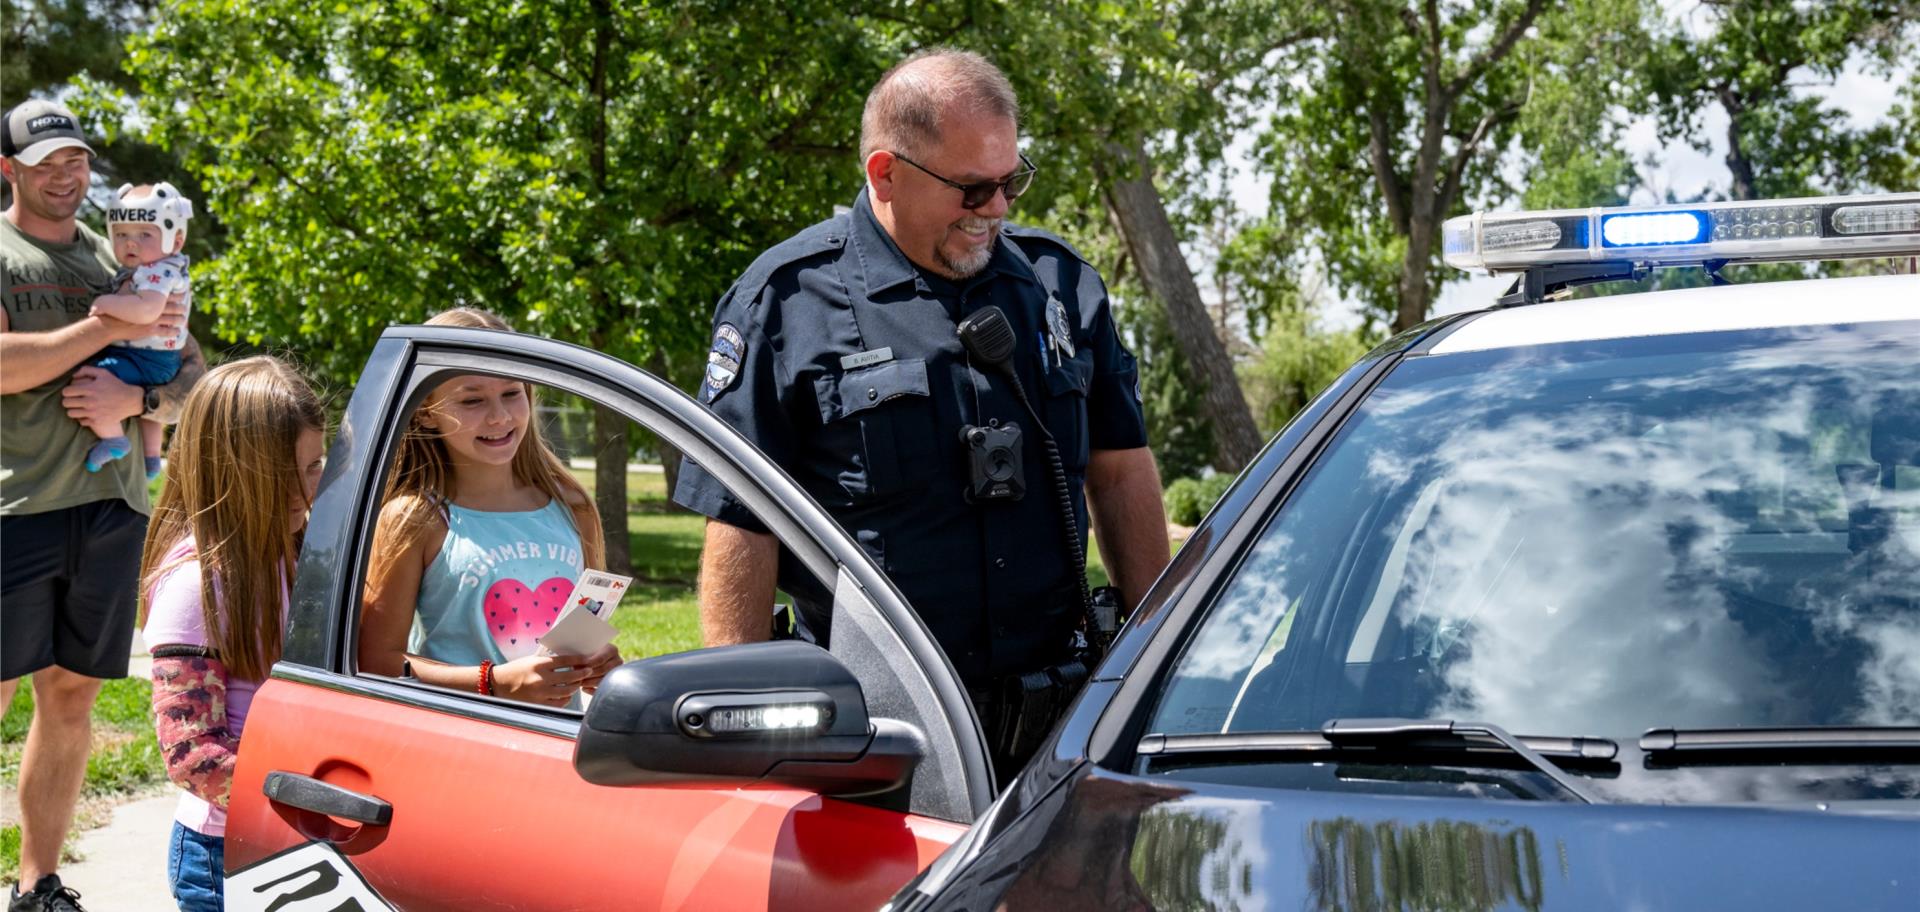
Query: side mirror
780	713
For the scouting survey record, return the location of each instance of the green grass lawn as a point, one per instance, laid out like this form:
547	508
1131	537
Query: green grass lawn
125	758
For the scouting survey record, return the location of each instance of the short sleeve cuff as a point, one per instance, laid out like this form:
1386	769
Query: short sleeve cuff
173	613
702	493
1114	418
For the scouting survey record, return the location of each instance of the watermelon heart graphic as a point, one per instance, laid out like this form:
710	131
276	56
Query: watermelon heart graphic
518	614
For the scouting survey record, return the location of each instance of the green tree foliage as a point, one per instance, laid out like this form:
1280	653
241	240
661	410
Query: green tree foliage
1900	132
1133	103
45	44
1754	59
596	174
1411	112
1180	433
1189	499
1297	360
599	173
51	48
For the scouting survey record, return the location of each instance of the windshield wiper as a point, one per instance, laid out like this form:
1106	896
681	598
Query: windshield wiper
1828	744
1341	734
1397	732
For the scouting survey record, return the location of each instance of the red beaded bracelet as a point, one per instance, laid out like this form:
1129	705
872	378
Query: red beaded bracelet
486	678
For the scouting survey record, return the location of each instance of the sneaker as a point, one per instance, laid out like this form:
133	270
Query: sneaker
48	895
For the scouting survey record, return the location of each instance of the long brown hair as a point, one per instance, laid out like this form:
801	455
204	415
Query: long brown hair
421	484
232	472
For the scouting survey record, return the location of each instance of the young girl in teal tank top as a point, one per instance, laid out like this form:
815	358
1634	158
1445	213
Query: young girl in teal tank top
480	540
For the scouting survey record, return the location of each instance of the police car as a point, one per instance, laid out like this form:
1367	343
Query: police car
1602	603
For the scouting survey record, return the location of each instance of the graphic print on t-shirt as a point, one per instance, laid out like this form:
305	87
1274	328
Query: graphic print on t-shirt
497	585
517	614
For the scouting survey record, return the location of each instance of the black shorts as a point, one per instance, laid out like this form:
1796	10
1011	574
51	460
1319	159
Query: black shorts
69	589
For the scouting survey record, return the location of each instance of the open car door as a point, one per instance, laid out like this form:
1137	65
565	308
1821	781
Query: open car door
389	793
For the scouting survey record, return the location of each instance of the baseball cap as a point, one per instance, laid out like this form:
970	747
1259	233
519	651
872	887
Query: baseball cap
36	128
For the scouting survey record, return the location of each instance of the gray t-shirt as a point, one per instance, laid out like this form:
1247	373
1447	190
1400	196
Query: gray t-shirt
42	451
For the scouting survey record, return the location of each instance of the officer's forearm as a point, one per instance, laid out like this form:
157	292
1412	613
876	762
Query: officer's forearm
1129	519
737	573
193	366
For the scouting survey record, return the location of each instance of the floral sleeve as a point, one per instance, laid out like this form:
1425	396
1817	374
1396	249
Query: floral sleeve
190	718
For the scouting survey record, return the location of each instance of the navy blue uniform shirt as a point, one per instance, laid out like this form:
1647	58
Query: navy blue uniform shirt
838	357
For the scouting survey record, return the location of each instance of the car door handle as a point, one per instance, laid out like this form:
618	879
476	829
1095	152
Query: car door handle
310	794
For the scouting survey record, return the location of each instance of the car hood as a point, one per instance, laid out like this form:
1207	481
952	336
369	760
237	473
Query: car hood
1105	841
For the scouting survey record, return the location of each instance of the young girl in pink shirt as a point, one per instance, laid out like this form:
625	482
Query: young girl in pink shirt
219	558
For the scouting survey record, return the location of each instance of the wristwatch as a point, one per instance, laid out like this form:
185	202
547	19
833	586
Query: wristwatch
149	401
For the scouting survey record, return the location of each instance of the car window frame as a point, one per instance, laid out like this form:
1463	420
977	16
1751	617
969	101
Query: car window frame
900	665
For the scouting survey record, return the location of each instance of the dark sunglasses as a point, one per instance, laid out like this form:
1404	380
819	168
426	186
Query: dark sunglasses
973	196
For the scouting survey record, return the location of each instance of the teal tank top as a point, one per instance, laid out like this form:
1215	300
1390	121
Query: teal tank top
497	584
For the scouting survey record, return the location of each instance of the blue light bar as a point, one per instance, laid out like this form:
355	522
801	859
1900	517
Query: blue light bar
1646	229
1818	228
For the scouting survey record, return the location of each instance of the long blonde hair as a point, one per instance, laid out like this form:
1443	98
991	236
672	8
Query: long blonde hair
232	473
421	484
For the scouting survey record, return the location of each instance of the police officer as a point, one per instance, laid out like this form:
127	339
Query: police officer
836	353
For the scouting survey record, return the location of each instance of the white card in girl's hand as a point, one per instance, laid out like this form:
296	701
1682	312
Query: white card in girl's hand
583	627
599	591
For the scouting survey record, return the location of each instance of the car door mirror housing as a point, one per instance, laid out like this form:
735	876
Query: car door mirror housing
780	713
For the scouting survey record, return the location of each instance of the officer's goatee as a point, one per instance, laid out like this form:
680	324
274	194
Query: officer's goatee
970	263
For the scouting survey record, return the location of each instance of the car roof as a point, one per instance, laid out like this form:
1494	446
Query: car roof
1806	302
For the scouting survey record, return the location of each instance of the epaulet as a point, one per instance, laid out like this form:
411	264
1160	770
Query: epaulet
1032	239
819	239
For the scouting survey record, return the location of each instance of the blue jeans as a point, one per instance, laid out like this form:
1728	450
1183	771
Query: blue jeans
197	865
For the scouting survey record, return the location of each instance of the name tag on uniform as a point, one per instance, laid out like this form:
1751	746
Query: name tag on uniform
866	358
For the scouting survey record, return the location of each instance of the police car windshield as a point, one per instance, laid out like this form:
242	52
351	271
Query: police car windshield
1716	530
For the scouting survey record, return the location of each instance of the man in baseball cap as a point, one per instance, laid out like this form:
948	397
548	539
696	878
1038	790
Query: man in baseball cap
37	128
69	539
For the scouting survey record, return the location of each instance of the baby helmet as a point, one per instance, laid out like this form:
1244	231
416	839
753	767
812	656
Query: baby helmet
159	205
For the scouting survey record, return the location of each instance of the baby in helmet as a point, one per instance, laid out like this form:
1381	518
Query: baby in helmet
147	226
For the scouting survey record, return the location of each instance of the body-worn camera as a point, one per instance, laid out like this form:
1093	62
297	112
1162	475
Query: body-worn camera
993	461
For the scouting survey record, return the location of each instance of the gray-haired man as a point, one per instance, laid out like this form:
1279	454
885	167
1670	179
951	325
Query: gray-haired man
836	352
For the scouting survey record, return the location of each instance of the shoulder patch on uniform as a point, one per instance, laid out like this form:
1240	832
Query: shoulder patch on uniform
723	361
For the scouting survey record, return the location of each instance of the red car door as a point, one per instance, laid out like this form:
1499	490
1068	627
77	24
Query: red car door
361	789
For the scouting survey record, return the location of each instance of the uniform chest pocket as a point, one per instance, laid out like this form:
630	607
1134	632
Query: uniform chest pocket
877	423
1067	384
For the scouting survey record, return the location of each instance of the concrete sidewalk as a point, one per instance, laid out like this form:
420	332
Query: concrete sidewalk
125	866
124	863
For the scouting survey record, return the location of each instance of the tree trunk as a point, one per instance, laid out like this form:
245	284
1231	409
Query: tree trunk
1155	249
609	426
610	485
1413	272
1738	163
669	457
